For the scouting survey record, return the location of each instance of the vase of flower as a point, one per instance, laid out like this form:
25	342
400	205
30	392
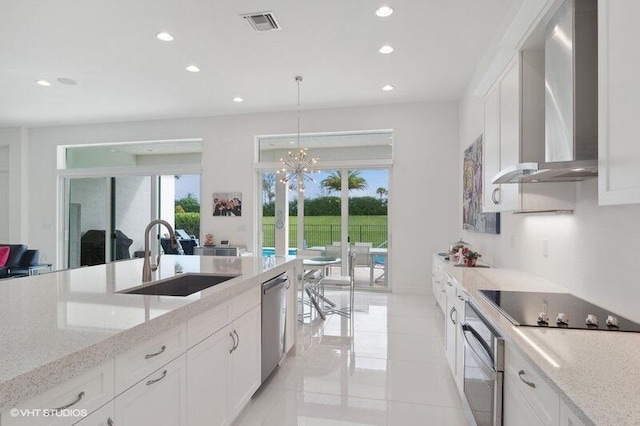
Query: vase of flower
470	257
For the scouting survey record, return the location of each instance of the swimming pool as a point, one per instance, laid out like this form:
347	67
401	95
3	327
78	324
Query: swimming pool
271	251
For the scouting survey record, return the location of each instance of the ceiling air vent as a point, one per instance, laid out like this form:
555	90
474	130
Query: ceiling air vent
264	21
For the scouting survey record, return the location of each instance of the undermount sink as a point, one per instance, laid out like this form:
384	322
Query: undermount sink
182	285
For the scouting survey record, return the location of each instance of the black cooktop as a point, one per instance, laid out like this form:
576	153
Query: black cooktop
556	310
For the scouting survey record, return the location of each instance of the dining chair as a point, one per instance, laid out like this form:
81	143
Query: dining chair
341	281
361	244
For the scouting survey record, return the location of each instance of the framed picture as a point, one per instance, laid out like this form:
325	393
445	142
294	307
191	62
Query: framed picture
473	219
227	204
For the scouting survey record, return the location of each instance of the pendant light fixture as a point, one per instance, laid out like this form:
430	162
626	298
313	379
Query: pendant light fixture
297	168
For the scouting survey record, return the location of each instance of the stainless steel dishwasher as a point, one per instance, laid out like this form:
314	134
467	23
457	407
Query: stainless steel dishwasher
273	322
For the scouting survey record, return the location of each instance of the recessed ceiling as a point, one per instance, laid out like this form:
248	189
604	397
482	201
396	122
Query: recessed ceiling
125	73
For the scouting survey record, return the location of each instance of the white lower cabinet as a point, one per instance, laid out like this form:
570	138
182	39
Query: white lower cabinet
104	416
538	394
454	338
515	410
245	361
223	372
567	417
209	378
82	394
160	399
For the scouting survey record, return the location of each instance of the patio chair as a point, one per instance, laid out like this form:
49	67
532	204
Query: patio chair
333	251
362	258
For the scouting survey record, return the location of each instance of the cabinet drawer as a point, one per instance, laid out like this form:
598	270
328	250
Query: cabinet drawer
207	323
160	399
81	395
243	303
544	401
139	362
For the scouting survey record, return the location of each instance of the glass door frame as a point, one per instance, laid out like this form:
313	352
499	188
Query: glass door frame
64	177
343	167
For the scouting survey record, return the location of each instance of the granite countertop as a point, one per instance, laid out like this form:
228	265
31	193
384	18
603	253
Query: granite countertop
594	372
58	325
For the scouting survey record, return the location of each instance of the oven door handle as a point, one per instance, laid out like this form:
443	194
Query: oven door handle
466	327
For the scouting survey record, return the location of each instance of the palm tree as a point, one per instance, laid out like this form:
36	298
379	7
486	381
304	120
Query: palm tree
333	182
268	187
381	192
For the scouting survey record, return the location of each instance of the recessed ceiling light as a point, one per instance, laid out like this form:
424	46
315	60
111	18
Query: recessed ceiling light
291	142
164	36
192	68
238	99
384	11
386	49
44	83
387	87
67	81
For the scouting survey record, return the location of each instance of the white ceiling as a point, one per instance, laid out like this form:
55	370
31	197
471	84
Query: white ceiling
124	73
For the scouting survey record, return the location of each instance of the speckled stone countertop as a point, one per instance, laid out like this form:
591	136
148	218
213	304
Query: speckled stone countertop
596	372
55	326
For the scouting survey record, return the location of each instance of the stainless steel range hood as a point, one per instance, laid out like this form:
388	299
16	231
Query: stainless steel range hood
571	100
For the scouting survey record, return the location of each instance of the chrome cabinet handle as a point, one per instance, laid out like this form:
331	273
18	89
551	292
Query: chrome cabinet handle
520	374
288	285
495	192
233	348
71	404
150	382
451	315
238	337
493	195
460	297
162	349
449	283
110	422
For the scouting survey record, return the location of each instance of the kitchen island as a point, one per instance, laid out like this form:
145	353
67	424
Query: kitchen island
58	326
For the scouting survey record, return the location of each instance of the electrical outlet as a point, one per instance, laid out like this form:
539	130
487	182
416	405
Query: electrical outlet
545	248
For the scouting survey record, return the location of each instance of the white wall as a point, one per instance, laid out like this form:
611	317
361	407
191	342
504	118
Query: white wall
12	140
592	252
423	187
133	208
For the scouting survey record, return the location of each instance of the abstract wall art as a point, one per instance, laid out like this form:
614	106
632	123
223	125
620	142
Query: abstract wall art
473	219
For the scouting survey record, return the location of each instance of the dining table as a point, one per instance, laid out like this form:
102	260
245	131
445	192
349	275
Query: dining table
375	254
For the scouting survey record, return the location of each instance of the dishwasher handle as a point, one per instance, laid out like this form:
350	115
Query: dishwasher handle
276	282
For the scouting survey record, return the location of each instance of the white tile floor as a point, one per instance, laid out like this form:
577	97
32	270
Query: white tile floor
386	367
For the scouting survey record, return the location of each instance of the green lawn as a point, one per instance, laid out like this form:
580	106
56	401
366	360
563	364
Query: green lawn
324	230
332	220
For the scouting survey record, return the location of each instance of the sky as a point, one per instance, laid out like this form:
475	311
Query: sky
188	184
378	178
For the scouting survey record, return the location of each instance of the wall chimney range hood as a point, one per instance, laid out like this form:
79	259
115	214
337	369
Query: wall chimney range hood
571	100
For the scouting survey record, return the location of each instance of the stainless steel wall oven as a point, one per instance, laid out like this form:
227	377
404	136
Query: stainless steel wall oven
483	368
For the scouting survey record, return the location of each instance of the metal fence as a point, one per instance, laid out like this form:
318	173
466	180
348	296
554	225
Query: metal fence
322	235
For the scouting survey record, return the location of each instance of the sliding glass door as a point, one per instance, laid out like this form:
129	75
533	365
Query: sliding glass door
106	216
344	210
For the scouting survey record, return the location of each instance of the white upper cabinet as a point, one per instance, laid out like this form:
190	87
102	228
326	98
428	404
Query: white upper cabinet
618	92
502	138
491	149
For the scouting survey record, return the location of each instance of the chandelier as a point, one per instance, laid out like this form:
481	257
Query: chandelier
297	167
